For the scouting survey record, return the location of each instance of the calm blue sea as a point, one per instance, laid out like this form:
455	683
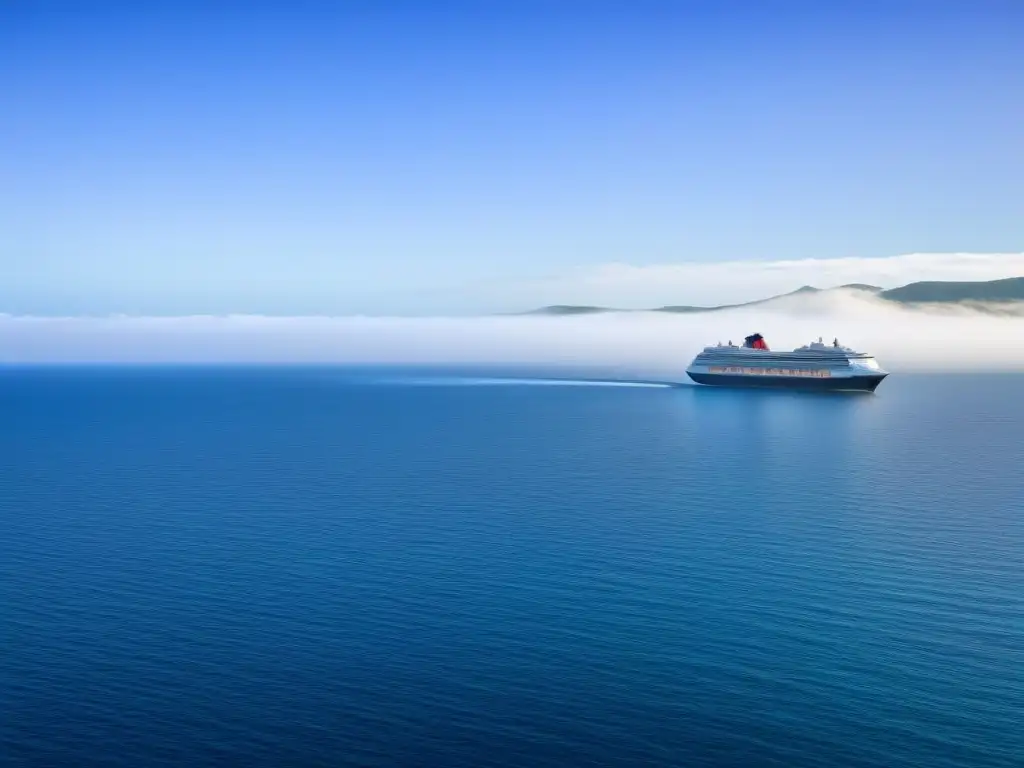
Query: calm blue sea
349	567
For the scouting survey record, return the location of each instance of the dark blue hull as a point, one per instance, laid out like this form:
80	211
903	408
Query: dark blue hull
866	383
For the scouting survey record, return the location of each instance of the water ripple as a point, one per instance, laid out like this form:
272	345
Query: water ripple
320	567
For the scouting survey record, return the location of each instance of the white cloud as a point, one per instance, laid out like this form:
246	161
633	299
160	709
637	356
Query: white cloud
635	287
641	344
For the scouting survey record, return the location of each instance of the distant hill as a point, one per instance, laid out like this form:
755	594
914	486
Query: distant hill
684	308
570	309
1010	289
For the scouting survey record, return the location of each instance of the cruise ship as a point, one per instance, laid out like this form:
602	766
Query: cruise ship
814	366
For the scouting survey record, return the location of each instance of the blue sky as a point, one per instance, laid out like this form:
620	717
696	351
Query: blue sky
435	157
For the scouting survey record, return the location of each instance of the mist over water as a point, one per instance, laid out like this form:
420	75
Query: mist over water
934	338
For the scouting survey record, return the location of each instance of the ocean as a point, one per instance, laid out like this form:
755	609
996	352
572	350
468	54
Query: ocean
415	567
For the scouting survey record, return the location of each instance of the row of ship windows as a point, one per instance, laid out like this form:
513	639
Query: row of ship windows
788	365
791	357
818	373
711	360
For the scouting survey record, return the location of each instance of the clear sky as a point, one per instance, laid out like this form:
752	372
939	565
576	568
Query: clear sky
426	156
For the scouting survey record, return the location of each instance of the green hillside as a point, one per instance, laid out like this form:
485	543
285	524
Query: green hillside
1010	289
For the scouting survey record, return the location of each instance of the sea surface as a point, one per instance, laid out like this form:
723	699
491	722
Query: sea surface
391	567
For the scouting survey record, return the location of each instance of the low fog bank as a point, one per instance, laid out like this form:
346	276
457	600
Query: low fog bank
641	344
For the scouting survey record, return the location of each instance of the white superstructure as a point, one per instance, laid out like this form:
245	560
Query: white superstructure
817	364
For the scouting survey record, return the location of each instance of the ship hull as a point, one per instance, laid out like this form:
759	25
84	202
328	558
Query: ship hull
859	383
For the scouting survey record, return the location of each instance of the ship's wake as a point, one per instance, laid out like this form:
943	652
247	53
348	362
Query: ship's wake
511	381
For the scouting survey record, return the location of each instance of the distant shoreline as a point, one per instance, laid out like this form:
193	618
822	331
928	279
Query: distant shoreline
1006	291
